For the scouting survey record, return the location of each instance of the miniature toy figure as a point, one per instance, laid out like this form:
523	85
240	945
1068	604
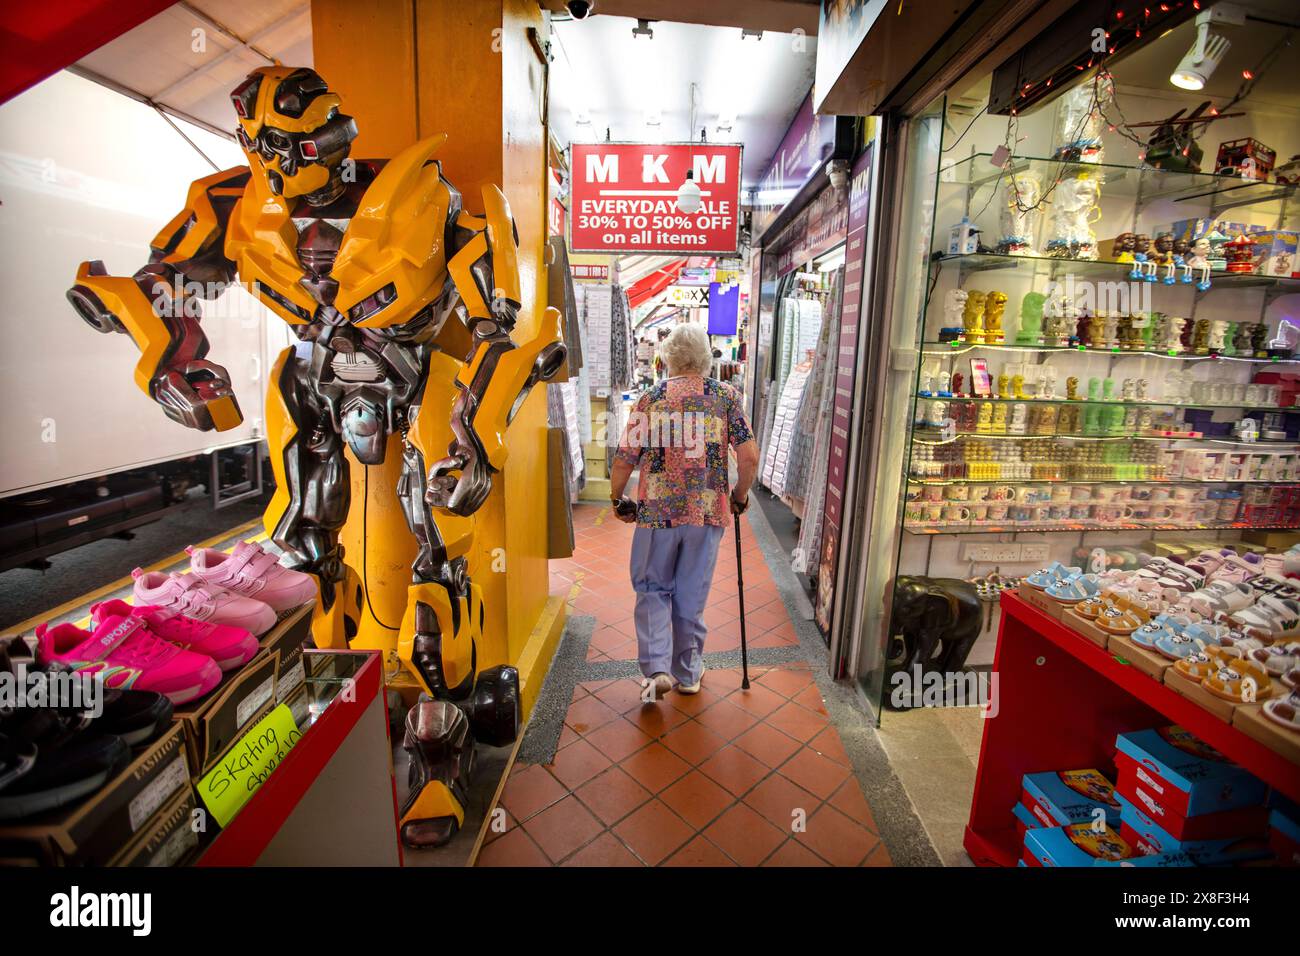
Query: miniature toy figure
994	305
1072	388
1198	263
954	307
1123	247
973	317
1031	319
1141	250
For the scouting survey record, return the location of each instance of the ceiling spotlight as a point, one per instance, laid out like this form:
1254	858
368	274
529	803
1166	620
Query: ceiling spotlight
1208	49
746	32
583	118
726	123
642	29
688	195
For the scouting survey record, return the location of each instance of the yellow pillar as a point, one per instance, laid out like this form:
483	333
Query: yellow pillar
407	70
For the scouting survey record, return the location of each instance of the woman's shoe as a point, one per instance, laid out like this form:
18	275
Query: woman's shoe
656	687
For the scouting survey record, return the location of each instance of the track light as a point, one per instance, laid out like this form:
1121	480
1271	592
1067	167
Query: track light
643	29
1208	49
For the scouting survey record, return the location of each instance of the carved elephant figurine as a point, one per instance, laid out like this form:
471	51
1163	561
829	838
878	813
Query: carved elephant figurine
939	620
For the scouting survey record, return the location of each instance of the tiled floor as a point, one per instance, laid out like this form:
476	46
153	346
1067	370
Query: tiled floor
726	777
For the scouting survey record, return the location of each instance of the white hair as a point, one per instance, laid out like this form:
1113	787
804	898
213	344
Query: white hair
687	350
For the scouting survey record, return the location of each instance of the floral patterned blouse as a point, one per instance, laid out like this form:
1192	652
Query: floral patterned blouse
678	434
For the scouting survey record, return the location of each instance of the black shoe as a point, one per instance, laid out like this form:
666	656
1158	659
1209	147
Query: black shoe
137	716
64	773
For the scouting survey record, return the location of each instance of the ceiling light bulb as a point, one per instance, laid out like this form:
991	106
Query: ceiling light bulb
688	195
1200	62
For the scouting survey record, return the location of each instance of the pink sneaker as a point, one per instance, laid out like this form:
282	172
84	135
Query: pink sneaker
253	572
128	655
229	646
188	595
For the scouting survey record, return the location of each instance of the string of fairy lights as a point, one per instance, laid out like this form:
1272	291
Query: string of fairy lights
1105	103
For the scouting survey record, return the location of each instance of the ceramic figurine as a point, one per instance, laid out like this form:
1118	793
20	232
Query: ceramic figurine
1110	330
925	387
1130	425
1113	420
1004	385
954	305
1072	388
1198	263
1091	420
1218	333
1017	425
1201	337
1094	389
999	425
1108	390
1123	247
1140	390
1141	250
1047	382
1031	319
1144	421
1182	249
944	378
1162	258
1259	340
1241	339
957	383
1046	420
995	304
1173	333
1216	257
1187	340
973	317
1096	332
985	421
1128	390
1018	386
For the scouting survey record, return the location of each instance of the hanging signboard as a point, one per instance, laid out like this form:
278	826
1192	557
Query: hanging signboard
623	198
690	296
805	146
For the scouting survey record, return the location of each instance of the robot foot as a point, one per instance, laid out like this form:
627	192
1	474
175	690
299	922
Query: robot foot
442	758
493	706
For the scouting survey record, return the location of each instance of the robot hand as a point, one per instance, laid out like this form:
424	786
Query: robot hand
461	482
198	395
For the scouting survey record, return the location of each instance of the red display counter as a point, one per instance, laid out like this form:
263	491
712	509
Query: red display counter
1061	701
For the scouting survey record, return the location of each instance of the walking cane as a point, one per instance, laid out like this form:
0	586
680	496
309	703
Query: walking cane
740	581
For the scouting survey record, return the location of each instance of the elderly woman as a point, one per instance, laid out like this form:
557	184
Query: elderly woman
678	436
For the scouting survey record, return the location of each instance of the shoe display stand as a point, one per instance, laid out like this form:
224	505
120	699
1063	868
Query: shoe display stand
332	801
1061	699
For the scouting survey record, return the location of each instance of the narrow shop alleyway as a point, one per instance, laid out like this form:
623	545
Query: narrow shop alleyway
725	777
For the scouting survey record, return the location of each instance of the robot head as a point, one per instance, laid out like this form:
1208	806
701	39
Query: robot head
292	131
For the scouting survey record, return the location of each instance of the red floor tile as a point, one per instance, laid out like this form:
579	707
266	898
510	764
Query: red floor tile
529	790
814	772
697	799
612	795
767	744
655	767
654	832
563	827
837	839
515	848
693	742
734	769
699	852
744	835
782	802
618	739
605	850
578	763
791	853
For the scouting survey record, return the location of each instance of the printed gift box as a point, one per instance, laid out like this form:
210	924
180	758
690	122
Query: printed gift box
1082	845
1059	798
1148	838
1186	786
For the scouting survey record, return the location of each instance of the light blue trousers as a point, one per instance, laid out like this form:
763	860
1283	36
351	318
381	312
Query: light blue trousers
672	570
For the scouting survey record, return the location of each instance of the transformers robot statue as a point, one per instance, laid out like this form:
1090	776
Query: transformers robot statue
403	303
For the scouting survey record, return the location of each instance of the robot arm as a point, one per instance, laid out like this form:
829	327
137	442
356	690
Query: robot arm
498	373
159	308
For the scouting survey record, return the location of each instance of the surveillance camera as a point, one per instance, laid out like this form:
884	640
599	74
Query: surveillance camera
581	9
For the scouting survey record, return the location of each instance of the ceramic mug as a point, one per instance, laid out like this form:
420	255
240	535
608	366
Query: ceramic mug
998	512
1060	494
956	513
934	513
957	492
933	493
1079	512
1080	494
979	512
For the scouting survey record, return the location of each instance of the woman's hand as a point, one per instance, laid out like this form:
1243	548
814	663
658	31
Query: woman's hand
624	509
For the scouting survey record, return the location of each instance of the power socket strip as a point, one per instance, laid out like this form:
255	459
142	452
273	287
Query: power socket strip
993	553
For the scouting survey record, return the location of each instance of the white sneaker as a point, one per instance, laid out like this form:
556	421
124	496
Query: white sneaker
692	688
662	684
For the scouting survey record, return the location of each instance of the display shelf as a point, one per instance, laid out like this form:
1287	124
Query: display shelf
1144	183
1024	527
958	347
1081	436
1054	266
1135	403
1278	482
1061	703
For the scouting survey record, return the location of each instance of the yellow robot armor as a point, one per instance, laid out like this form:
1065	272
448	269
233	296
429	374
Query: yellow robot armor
292	131
406	310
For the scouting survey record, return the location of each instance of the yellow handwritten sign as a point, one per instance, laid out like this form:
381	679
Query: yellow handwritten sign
247	765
